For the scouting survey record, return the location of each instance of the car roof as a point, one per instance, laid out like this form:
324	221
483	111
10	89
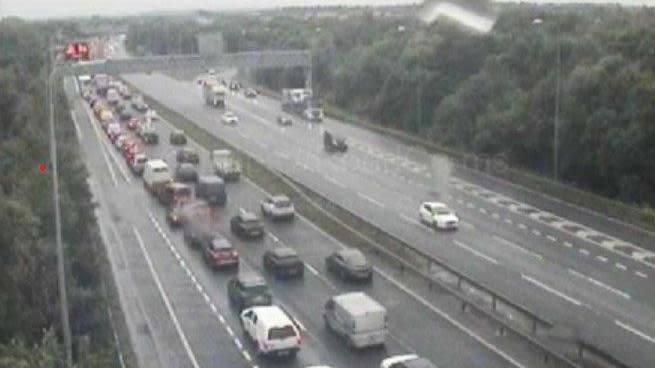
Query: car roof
358	303
435	204
350	252
210	179
280	198
272	315
221	243
284	252
247	215
187	166
249	279
157	163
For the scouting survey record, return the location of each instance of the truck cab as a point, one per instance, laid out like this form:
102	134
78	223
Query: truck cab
214	93
225	165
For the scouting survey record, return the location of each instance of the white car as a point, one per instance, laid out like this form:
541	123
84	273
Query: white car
151	115
278	207
272	331
229	118
406	361
437	214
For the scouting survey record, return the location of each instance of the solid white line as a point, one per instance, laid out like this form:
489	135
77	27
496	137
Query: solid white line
641	274
104	143
212	306
551	290
634	331
600	284
364	196
475	252
518	247
551	238
453	321
568	245
601	258
536	232
621	266
78	132
112	174
311	269
584	252
167	303
335	182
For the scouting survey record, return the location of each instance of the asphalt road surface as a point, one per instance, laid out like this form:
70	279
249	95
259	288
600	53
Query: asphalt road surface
176	307
588	274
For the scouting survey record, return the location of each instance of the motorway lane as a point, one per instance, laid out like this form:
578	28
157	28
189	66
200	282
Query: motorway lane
305	299
310	161
158	335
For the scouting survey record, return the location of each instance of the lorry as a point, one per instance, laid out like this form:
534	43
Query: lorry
301	102
357	318
101	83
214	93
225	165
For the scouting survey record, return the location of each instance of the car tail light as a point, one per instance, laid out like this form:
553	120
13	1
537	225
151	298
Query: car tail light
235	253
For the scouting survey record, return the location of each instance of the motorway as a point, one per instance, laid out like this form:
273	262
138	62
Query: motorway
580	270
176	307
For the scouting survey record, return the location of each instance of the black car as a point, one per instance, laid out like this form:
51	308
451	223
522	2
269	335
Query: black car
125	115
250	93
247	225
284	121
333	143
177	137
283	261
248	290
349	264
189	155
196	235
186	172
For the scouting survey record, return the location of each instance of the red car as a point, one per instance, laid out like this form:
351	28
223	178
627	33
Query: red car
132	123
218	252
131	151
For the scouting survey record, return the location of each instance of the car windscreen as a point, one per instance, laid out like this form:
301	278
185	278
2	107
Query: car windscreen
279	333
356	259
160	170
283	203
442	212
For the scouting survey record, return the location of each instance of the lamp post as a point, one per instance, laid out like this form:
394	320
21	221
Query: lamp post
558	71
61	268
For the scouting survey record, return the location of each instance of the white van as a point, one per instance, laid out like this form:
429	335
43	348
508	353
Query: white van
156	174
356	317
272	331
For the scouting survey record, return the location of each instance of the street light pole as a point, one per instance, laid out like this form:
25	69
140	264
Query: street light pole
61	268
557	97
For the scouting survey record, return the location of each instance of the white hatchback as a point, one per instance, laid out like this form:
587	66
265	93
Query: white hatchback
437	214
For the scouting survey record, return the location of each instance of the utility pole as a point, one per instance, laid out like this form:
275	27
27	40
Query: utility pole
557	97
61	267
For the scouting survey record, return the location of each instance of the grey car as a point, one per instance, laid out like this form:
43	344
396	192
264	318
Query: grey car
349	264
186	172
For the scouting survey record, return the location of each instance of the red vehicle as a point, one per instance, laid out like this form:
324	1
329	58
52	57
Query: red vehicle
133	123
218	252
130	150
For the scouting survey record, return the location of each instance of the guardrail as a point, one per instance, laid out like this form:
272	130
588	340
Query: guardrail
509	318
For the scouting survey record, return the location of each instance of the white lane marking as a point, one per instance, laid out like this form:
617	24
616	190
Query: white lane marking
601	258
475	252
272	236
411	220
600	284
641	274
311	269
467	225
551	238
452	320
364	196
107	146
482	210
508	220
522	226
536	232
620	266
568	244
335	182
584	252
470	205
167	302
518	247
634	331
495	215
551	290
78	132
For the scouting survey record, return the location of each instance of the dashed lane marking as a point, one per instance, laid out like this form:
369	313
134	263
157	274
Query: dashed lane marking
602	259
620	266
364	196
584	252
600	284
549	289
167	302
551	238
641	274
476	252
518	247
536	232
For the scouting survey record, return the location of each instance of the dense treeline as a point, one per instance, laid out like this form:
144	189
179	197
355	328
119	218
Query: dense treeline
29	298
492	94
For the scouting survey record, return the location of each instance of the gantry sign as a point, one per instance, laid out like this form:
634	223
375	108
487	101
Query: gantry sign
250	60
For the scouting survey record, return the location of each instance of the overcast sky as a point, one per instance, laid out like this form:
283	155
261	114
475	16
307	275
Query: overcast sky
59	8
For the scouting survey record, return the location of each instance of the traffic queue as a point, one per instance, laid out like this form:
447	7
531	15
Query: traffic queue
191	198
